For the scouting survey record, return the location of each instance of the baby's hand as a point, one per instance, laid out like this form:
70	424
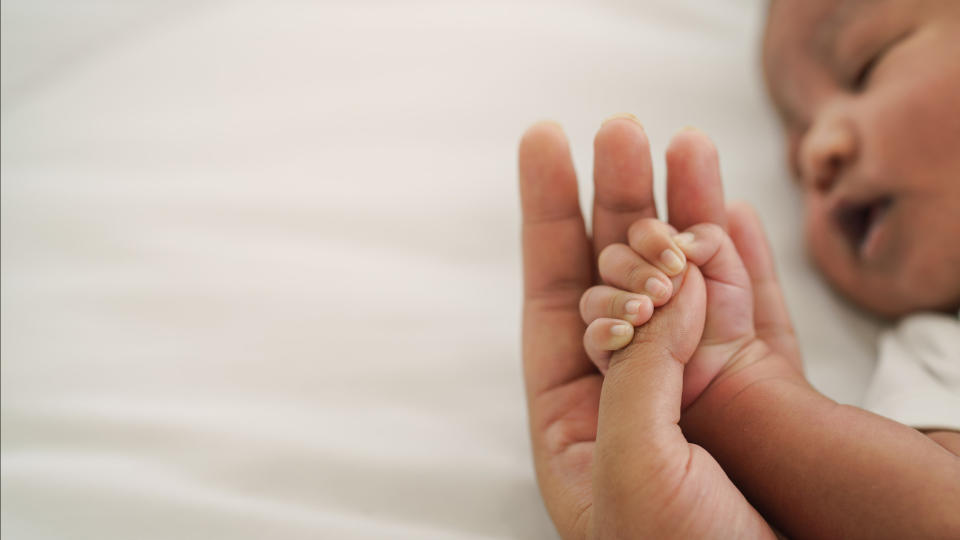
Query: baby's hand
644	276
638	280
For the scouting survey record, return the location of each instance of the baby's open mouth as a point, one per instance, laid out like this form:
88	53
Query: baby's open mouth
858	220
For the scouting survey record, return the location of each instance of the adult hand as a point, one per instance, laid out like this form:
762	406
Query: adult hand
611	460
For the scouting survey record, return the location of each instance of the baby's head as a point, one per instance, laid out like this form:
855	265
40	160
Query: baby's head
869	92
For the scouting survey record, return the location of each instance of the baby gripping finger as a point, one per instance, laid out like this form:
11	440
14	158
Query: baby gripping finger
605	301
652	240
603	336
708	246
621	267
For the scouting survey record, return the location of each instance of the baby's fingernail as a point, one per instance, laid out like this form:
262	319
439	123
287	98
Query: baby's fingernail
656	288
621	329
671	261
683	239
632	307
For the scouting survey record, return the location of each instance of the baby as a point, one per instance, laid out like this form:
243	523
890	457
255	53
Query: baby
868	92
744	397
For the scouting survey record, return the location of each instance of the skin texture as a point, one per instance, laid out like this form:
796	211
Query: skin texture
729	325
867	90
610	458
610	455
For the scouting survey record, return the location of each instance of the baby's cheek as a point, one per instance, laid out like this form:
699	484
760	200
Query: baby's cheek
927	275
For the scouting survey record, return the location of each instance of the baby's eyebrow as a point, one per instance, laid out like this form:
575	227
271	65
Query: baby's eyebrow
832	26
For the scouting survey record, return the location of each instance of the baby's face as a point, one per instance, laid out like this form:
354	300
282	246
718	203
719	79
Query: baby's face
869	91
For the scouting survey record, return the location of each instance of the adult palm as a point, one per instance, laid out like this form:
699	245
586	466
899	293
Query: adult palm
610	457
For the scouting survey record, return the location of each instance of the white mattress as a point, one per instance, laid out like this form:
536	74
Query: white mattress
260	273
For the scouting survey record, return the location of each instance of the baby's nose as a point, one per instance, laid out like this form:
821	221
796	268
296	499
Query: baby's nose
829	147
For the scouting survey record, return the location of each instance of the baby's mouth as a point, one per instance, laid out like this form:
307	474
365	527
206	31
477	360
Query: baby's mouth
858	221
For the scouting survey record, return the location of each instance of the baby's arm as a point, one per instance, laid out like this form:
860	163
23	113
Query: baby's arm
947	439
815	468
818	469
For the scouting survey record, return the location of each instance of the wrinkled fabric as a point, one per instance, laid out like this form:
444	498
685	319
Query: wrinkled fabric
261	273
917	381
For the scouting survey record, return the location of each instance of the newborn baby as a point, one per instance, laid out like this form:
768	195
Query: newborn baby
868	92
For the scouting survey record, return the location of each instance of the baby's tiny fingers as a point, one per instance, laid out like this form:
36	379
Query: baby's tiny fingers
652	240
701	242
621	267
604	336
708	246
605	301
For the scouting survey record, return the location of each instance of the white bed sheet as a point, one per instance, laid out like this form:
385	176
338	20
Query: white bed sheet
260	272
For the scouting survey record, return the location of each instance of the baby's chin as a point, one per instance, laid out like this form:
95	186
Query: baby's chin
896	309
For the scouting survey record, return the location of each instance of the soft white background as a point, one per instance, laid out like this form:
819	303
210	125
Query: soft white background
260	261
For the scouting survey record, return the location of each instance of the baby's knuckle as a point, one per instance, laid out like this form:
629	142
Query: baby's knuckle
585	299
636	278
711	230
642	226
609	255
615	303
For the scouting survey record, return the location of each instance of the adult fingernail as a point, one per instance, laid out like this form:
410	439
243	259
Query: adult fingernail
655	288
632	307
671	261
626	116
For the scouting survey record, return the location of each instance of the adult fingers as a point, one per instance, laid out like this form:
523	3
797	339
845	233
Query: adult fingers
694	185
771	318
623	180
556	260
562	384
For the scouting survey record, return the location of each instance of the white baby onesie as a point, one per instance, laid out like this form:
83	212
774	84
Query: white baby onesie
917	381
